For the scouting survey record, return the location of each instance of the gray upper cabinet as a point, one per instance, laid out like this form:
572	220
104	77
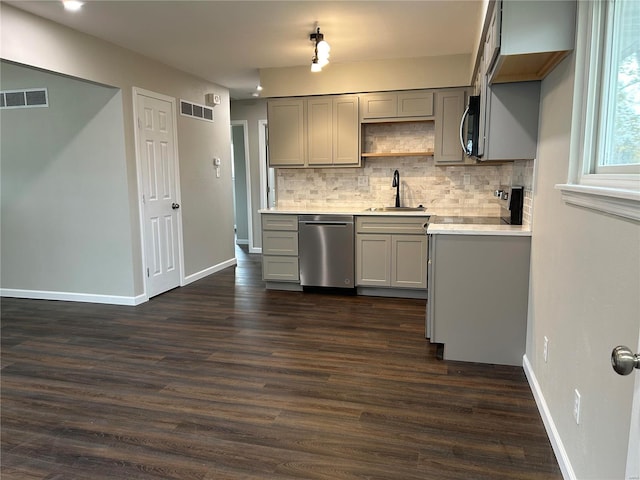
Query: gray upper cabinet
378	105
511	121
449	109
286	132
526	39
346	131
417	103
396	106
320	131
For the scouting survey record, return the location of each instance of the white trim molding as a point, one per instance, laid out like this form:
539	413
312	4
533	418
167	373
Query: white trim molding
620	203
208	271
552	432
611	190
73	297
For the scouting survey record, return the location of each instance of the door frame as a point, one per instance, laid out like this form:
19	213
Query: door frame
247	166
136	92
262	147
633	463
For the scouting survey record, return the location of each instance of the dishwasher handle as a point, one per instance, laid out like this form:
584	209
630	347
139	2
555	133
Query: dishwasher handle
328	223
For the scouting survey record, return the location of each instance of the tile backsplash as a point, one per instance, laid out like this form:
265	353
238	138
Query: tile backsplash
453	190
398	137
450	190
523	175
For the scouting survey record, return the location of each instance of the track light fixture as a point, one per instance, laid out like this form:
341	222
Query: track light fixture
321	51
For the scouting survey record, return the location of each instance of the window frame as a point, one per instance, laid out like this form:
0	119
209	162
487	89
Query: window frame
613	193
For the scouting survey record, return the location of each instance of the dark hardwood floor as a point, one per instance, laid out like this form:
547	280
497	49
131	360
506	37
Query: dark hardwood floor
225	380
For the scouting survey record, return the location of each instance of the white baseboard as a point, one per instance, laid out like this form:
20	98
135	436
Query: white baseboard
549	424
73	297
255	249
208	271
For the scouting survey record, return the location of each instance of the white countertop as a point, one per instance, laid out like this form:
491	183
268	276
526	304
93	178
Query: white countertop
434	228
460	229
344	211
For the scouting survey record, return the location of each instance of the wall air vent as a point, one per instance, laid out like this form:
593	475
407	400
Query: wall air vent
27	98
194	110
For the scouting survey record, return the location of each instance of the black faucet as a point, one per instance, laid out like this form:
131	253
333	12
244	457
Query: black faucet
396	183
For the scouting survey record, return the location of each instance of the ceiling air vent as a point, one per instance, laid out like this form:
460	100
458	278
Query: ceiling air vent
27	98
194	110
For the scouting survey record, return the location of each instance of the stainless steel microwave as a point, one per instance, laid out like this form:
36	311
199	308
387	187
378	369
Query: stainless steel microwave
470	127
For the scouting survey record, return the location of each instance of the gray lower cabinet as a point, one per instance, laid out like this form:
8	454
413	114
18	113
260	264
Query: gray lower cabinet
409	261
478	296
280	248
391	252
373	260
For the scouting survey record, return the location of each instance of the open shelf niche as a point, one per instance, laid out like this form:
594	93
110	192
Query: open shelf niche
398	139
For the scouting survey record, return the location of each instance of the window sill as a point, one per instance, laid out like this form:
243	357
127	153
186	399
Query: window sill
621	203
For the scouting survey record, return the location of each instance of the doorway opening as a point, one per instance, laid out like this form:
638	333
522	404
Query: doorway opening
241	174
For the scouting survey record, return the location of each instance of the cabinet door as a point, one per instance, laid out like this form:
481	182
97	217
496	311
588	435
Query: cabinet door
511	121
272	221
280	268
373	260
409	261
379	105
391	224
279	242
492	40
346	131
286	132
449	110
415	104
319	131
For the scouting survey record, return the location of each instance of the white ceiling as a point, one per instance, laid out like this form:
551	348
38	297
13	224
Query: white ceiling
227	42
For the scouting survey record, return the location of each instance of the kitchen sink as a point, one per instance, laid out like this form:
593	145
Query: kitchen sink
396	209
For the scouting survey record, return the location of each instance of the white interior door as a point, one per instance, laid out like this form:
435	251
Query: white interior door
159	178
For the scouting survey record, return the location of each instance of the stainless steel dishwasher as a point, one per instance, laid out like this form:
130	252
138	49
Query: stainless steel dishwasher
326	250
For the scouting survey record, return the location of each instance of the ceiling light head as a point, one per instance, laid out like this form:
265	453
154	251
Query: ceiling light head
72	5
321	51
323	48
259	88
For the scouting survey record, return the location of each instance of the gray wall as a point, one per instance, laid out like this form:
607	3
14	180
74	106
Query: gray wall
240	191
65	205
585	279
206	207
252	111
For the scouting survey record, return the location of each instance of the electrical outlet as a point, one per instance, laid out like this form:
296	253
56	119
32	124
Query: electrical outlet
545	350
363	181
576	406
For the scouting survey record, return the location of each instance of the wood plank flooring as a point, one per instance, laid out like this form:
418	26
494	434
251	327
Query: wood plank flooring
225	380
